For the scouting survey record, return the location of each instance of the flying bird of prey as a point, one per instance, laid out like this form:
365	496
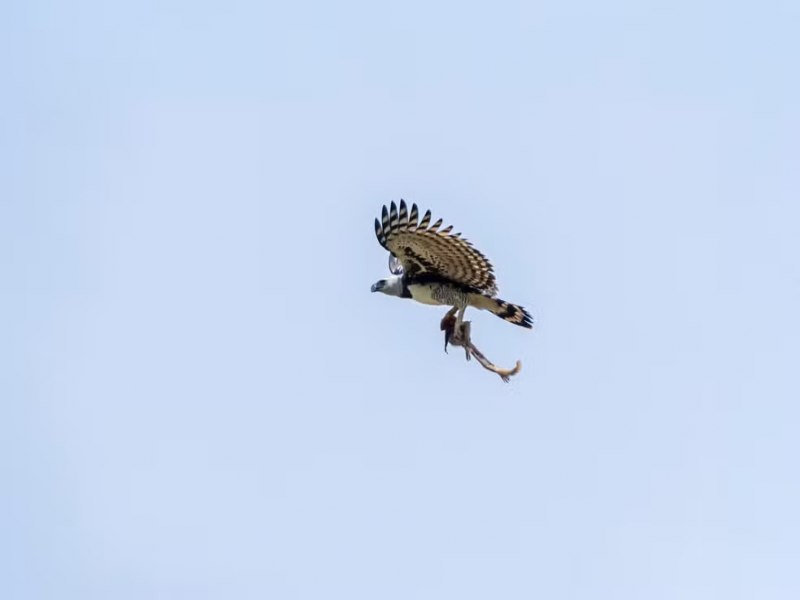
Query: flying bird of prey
434	266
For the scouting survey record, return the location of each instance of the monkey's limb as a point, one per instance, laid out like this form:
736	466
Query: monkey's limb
505	374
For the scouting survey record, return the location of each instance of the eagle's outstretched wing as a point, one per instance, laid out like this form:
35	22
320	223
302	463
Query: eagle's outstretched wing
425	250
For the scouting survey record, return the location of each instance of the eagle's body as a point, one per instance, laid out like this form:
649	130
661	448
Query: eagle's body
427	292
437	267
439	293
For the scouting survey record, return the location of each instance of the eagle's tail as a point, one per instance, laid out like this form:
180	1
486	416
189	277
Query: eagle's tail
505	310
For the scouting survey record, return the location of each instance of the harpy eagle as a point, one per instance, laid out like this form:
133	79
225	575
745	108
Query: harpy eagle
435	266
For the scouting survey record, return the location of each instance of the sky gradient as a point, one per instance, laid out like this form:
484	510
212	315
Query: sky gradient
200	398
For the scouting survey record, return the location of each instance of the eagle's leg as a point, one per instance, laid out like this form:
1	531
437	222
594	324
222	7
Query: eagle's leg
459	323
465	335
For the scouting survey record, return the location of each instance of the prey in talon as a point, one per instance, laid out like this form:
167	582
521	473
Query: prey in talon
462	336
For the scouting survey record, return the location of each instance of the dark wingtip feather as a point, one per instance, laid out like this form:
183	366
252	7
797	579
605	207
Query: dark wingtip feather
403	217
379	233
426	219
412	218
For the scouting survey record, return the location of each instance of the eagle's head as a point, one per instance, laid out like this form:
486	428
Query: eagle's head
393	286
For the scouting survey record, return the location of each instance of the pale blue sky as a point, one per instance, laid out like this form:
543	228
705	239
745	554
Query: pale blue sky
201	398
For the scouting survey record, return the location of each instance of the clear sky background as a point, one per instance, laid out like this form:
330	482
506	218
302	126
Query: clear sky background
200	398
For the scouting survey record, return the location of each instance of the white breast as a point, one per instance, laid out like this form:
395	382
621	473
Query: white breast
423	293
